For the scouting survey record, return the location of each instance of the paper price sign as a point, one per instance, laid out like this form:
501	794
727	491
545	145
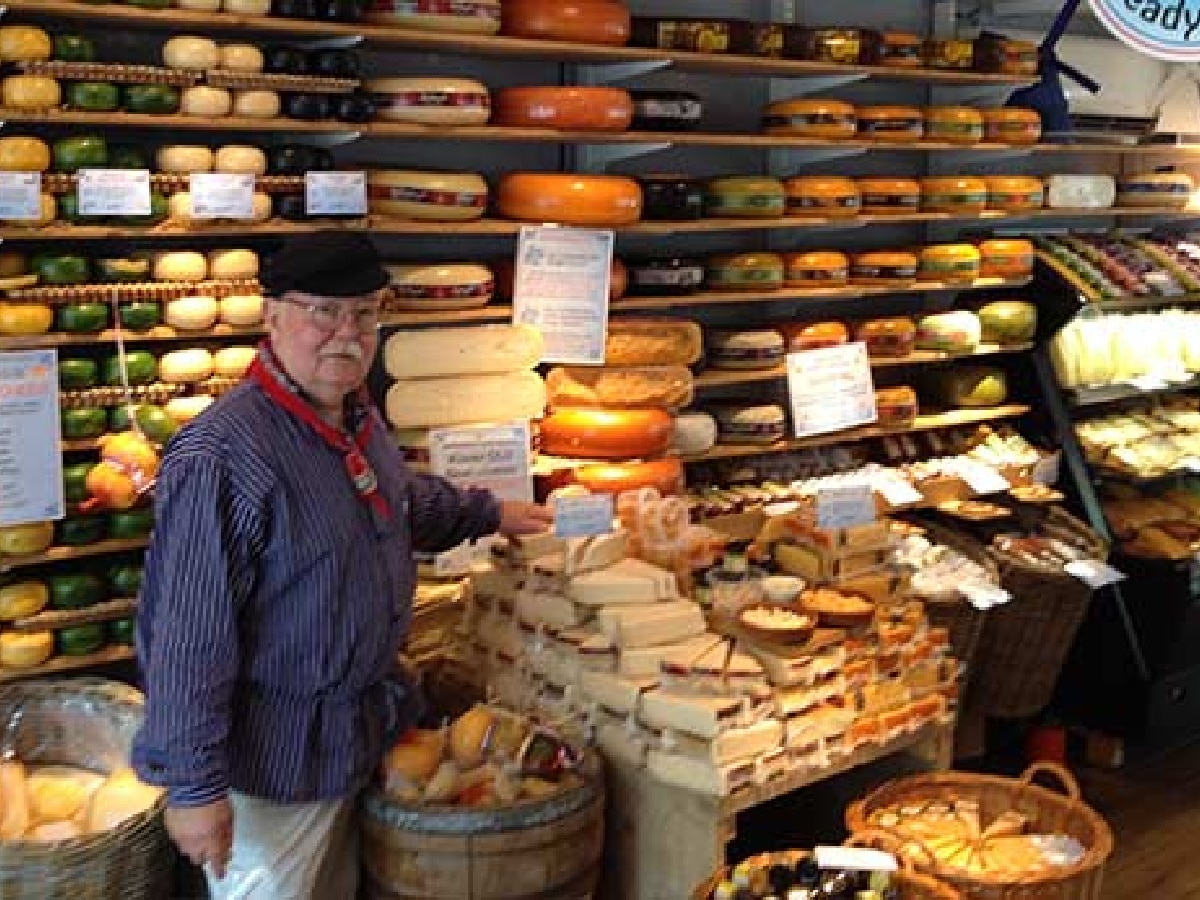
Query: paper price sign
1093	573
21	196
335	193
561	288
30	456
845	507
495	457
114	192
831	389
221	196
856	859
583	516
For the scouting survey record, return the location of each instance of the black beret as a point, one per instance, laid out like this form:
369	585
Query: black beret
325	263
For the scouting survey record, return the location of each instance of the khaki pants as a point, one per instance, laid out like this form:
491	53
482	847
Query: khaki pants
290	851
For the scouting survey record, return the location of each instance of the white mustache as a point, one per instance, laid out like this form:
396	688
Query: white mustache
352	350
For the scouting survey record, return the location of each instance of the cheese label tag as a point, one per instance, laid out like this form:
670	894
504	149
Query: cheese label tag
1094	573
583	516
982	478
845	507
221	196
831	389
335	193
114	192
495	457
856	859
898	493
21	196
30	452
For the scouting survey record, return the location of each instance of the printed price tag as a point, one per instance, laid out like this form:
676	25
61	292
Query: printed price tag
583	516
495	457
830	389
30	456
21	196
335	193
221	196
114	192
1094	573
856	859
845	507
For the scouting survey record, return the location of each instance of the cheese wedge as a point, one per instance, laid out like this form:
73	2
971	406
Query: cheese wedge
791	701
551	610
729	746
620	695
647	662
789	671
700	777
650	625
704	717
630	581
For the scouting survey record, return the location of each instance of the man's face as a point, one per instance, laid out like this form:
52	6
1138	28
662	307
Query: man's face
326	344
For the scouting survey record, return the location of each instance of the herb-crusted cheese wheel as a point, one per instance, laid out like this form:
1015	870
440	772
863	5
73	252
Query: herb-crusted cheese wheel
570	199
24	154
30	92
232	264
431	101
183	409
664	475
241	58
180	265
242	309
232	362
190	52
428	196
465	399
24	43
240	159
565	108
479	350
607	433
256	104
578	21
191	313
442	281
468	16
202	100
186	366
184	159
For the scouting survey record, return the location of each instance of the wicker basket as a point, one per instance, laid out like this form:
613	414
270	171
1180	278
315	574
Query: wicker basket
1026	641
88	723
1048	812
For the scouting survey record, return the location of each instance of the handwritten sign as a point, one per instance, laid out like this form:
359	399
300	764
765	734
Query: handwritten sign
335	193
114	192
495	457
30	456
221	196
583	516
21	196
831	389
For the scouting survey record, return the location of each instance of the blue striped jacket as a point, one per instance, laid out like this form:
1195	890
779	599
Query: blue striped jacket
274	604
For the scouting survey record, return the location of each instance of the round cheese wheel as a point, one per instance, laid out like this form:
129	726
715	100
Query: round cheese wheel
954	124
891	124
24	154
431	101
1006	258
1015	193
752	271
262	207
579	21
244	310
695	432
428	196
25	650
811	118
959	331
186	366
232	362
664	475
830	197
247	7
184	409
190	52
954	263
198	5
565	108
469	16
202	100
442	281
191	313
25	318
179	265
607	434
963	194
256	104
184	159
232	264
1012	125
180	209
241	58
884	268
745	196
817	268
570	199
30	92
240	159
24	43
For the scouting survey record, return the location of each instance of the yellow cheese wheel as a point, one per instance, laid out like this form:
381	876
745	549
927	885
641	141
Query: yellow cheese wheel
184	409
179	265
262	207
468	16
256	104
232	362
569	108
21	540
241	58
570	199
202	100
22	599
198	5
25	318
184	159
428	196
191	313
190	52
30	92
232	264
242	309
442	281
24	43
48	213
180	209
24	154
431	101
186	366
247	7
240	159
745	196
24	651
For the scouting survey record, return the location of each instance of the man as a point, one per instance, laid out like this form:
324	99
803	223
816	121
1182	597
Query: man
278	589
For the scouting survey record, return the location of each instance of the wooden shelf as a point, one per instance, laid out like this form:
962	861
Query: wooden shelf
66	554
169	231
53	620
60	664
158	333
932	422
79	446
1081	398
119	119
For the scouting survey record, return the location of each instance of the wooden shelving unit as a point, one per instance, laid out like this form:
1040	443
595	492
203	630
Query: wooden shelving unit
70	554
61	665
161	333
69	618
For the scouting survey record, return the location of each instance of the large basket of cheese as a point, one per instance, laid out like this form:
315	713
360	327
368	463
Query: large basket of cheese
994	838
75	822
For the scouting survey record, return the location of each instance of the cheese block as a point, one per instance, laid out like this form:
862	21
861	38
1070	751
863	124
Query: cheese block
24	154
179	265
653	342
643	387
462	400
630	581
241	309
716	671
476	350
586	554
202	100
239	159
569	199
191	52
1080	191
430	101
186	366
698	776
434	283
798	670
564	108
614	692
427	196
256	104
576	21
703	717
605	433
647	625
664	475
184	159
789	701
232	362
30	92
467	16
695	432
241	58
191	313
550	610
646	662
745	196
729	746
232	264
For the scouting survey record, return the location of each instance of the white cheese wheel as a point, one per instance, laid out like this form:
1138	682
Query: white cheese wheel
202	100
428	196
184	409
247	7
186	366
232	264
198	5
242	309
179	265
256	104
240	159
476	350
431	101
232	362
180	209
695	432
191	52
442	281
241	58
191	313
184	159
437	402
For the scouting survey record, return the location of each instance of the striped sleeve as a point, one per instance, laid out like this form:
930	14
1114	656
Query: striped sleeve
443	516
198	572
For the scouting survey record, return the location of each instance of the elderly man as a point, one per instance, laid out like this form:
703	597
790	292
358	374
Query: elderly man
278	589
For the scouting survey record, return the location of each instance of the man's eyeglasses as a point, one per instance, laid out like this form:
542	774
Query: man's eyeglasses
328	316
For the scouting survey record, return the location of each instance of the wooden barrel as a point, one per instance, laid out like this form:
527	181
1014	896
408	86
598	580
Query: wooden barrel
544	850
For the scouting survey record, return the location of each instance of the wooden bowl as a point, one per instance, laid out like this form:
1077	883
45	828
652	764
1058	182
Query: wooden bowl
795	626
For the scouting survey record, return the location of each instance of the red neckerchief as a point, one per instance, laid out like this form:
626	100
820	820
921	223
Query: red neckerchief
266	371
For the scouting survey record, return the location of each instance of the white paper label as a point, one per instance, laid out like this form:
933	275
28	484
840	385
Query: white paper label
495	457
898	493
1046	471
856	859
845	507
585	516
30	451
984	596
335	193
221	196
21	196
982	478
561	288
114	192
1094	573
831	389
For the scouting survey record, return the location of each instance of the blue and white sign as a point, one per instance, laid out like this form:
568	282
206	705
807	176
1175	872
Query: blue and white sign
1164	29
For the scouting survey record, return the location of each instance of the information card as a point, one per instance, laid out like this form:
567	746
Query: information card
114	192
21	196
30	452
221	196
561	288
831	389
335	193
495	457
845	506
583	516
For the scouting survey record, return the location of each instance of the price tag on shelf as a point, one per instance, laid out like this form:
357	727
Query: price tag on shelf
583	516
830	389
856	859
1093	573
897	492
335	193
30	454
846	506
455	563
495	457
221	196
21	196
114	192
981	478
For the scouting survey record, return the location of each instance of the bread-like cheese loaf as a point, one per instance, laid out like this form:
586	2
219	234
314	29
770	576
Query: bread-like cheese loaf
477	350
653	342
436	402
644	387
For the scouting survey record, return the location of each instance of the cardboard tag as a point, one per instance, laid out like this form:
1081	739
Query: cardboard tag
1094	573
830	389
583	516
845	507
221	196
856	859
114	192
21	196
335	193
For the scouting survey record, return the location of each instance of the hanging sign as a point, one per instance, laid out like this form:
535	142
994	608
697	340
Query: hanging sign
114	192
335	193
30	453
21	196
831	389
561	288
221	196
1163	29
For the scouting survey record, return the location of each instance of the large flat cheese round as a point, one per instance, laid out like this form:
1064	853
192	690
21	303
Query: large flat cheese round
576	21
428	196
570	199
564	108
468	16
431	285
664	475
607	433
476	350
431	101
465	400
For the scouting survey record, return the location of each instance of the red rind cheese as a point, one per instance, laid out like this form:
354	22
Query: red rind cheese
564	108
569	199
574	21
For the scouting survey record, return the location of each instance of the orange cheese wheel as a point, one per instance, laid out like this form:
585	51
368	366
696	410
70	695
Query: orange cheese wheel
665	475
431	101
569	199
1006	258
826	196
576	21
428	196
607	433
565	108
468	16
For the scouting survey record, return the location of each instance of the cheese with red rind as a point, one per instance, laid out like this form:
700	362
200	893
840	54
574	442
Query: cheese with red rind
427	196
442	281
431	100
566	108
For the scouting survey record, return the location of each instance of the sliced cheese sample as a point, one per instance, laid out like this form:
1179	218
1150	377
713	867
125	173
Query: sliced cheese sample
477	350
614	693
550	610
631	581
434	402
646	662
647	625
697	776
729	746
703	717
